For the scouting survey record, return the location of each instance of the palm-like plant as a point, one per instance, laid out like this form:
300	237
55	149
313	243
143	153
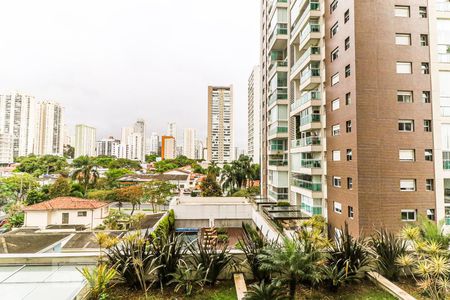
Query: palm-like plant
187	277
171	249
388	248
228	179
85	173
264	291
99	280
295	259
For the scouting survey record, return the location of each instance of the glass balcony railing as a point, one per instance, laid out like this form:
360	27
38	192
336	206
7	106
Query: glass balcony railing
447	220
313	6
308	119
278	94
308	30
314	210
308	141
277	63
311	51
275	147
312	95
308	74
278	196
280	29
312	186
278	162
275	130
311	163
444	57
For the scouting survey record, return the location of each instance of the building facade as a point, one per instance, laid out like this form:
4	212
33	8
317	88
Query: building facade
6	149
154	143
50	129
18	118
189	138
108	147
133	141
254	115
220	124
168	147
363	83
85	137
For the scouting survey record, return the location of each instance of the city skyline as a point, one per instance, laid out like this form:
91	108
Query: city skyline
112	65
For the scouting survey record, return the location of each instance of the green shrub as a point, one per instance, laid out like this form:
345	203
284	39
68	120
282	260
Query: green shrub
283	203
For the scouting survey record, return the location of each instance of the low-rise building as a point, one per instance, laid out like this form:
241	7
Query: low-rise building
66	211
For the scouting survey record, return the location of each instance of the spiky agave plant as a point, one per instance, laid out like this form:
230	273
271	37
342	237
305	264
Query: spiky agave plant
99	280
265	291
187	277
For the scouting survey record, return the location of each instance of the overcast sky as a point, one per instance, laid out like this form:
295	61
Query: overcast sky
110	62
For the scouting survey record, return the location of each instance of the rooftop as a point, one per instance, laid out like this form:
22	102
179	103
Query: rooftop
186	200
66	203
28	242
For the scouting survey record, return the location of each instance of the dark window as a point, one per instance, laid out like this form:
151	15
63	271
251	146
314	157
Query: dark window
423	12
349	183
348	99
428	154
426	97
347	16
424	39
429	185
348	126
425	68
349	154
350	212
333	5
347	71
347	43
427	125
334	30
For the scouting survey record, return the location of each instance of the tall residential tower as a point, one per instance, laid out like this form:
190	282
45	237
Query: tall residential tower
254	115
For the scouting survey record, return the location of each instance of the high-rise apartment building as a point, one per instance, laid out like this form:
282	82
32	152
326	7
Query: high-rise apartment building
154	143
220	124
85	137
189	139
133	141
254	115
18	118
6	149
108	147
168	147
352	93
50	129
172	129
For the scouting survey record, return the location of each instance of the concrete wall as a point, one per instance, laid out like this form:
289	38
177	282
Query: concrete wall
42	219
36	218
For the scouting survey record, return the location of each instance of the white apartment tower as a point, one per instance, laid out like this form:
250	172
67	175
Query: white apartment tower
133	141
154	143
6	153
254	115
172	129
50	129
85	137
108	147
220	124
189	139
18	118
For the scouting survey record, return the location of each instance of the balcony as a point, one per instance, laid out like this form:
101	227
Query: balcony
309	33
305	98
308	141
443	6
311	163
278	38
277	63
311	54
309	78
313	210
312	10
444	57
278	162
278	196
277	147
278	94
447	195
308	119
276	130
312	186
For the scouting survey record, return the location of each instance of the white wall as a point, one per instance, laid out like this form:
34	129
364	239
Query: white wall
42	219
36	218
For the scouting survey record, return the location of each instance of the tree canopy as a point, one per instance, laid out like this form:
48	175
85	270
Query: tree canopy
39	165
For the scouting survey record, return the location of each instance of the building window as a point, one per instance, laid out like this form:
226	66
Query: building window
333	5
408	215
336	155
349	183
347	43
428	154
431	214
349	154
426	98
407	155
407	185
348	126
403	39
405	96
335	54
336	130
402	11
423	12
350	212
406	125
334	30
424	39
336	181
429	185
82	213
348	99
425	68
347	16
337	207
427	125
335	104
335	79
347	71
404	67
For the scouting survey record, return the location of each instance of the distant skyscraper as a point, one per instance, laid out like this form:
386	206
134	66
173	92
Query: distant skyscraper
108	147
189	139
154	143
6	149
254	114
172	129
50	129
85	137
18	118
220	123
168	147
133	141
199	149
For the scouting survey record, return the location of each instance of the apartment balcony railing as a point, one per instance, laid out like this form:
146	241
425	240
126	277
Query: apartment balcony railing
277	63
313	6
275	130
305	98
278	196
308	30
308	141
278	30
315	187
447	220
446	195
446	163
311	209
311	163
444	57
278	94
278	162
308	119
443	6
308	74
311	51
276	147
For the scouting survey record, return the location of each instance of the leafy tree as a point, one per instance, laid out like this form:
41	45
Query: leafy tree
69	151
156	192
213	169
106	195
209	187
60	188
151	158
85	172
17	187
36	196
132	194
228	178
123	163
196	168
112	175
39	165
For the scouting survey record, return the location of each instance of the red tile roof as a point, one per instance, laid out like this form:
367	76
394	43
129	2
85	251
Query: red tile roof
62	203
